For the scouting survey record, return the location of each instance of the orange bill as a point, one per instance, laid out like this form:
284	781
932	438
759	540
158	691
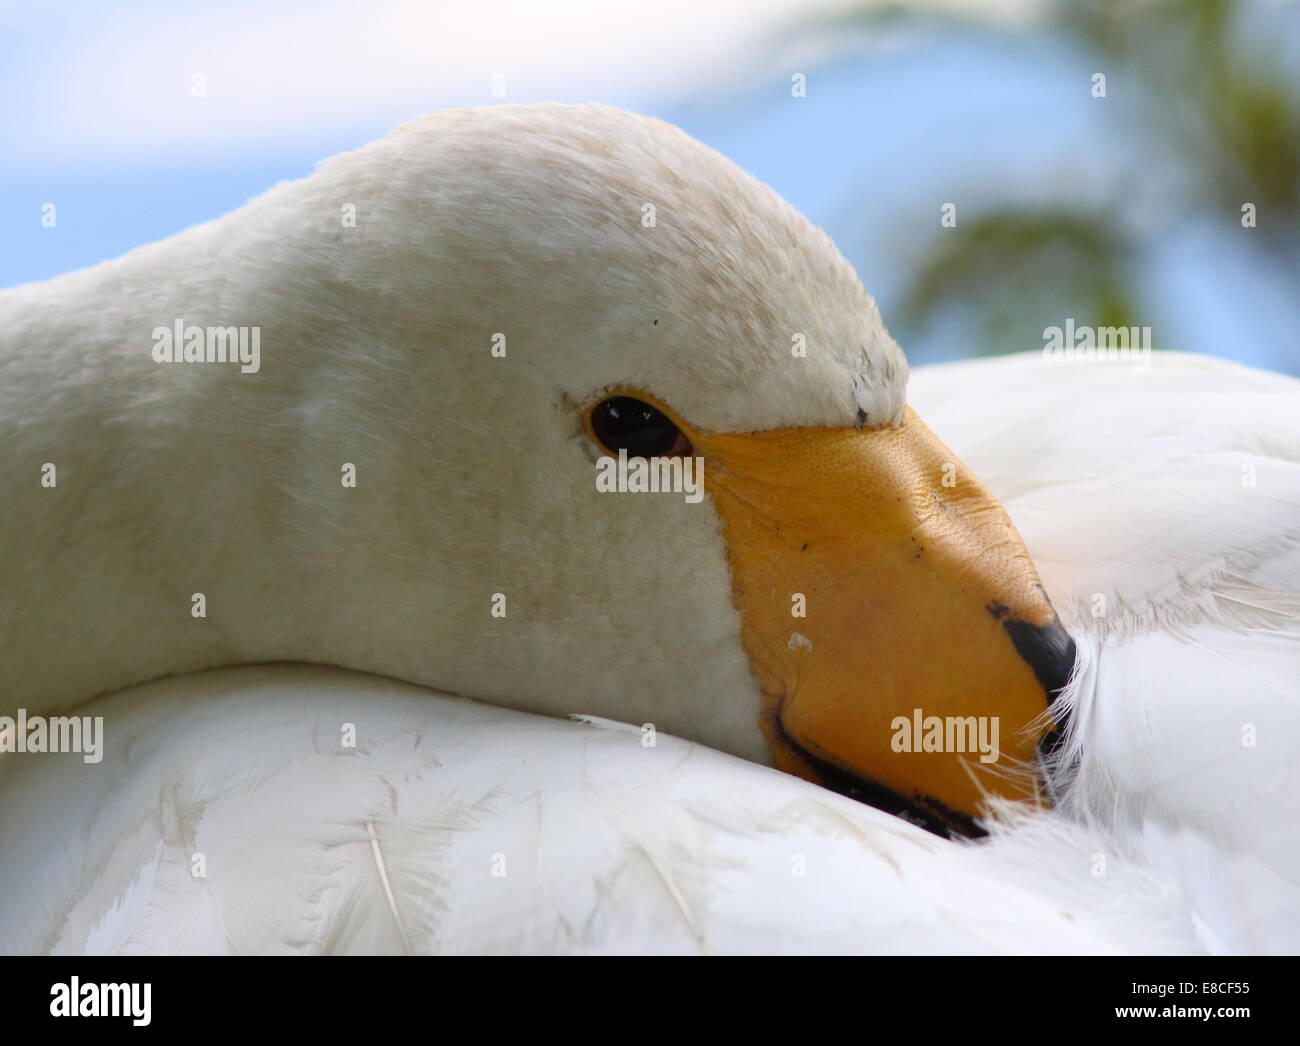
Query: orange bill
906	651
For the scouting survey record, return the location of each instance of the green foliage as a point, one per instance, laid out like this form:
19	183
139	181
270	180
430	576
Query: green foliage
1014	269
1218	122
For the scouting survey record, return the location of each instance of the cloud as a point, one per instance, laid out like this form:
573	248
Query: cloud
120	84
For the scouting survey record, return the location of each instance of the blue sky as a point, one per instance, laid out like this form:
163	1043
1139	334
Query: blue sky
102	122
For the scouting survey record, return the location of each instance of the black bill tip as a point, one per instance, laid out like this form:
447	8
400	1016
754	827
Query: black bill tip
1050	652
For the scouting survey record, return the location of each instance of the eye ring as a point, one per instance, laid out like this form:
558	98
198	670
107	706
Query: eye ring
624	423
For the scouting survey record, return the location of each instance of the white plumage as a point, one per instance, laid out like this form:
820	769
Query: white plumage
497	831
1161	508
494	831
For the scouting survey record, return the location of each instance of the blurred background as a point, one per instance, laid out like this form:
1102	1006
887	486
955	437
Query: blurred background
1117	163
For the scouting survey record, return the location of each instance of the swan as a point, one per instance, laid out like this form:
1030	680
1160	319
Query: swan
454	327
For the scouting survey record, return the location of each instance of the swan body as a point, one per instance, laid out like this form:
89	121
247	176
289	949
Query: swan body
456	827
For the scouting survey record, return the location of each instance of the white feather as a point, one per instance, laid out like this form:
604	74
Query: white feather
502	832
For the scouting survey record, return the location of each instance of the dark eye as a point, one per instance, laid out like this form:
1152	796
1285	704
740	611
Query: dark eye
624	423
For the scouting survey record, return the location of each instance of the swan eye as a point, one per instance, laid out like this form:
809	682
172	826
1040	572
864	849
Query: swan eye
624	423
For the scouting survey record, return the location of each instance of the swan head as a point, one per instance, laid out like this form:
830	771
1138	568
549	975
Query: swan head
526	292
